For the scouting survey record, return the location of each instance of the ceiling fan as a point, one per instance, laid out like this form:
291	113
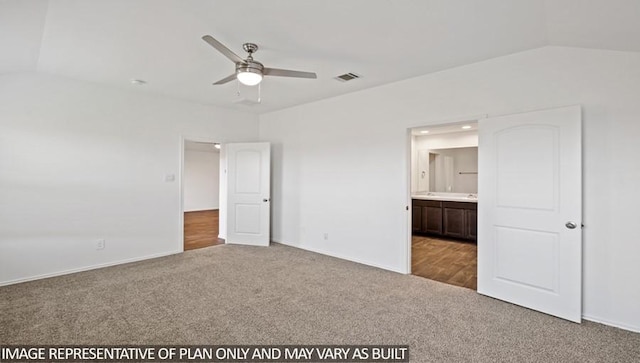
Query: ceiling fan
249	71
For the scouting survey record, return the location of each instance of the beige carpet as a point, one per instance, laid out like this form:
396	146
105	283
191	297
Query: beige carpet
282	295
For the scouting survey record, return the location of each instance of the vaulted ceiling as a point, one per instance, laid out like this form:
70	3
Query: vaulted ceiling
114	41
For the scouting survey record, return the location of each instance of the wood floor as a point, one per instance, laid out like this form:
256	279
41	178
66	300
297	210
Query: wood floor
447	261
201	229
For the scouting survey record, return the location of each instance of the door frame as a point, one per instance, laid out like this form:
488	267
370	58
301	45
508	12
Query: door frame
183	140
409	165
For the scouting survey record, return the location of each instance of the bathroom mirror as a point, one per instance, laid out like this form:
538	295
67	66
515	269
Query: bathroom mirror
452	170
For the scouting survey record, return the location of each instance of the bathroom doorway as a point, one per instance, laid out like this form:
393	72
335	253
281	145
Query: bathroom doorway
444	187
201	194
528	235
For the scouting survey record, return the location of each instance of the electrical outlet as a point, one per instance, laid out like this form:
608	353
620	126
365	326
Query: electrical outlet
100	244
326	236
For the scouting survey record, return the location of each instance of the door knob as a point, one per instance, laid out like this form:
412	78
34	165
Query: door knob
571	225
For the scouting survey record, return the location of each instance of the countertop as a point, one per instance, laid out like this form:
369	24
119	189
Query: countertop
447	197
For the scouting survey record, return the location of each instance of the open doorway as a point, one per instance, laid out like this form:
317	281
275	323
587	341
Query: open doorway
444	196
529	204
201	194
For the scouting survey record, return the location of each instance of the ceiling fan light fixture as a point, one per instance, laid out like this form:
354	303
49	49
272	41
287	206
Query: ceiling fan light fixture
249	77
249	73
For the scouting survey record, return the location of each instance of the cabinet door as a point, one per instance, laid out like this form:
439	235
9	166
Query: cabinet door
454	222
434	219
416	220
471	219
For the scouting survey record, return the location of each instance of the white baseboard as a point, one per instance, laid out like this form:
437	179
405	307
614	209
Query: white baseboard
201	210
614	324
86	268
342	257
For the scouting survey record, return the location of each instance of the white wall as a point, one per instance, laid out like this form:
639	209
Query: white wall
79	162
201	180
341	165
21	29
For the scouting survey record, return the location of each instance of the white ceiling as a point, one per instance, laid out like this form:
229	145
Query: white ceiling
159	41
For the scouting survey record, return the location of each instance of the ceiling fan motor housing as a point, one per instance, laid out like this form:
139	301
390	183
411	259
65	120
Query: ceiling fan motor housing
250	66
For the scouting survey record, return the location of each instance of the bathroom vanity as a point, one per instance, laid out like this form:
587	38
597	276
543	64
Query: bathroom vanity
445	214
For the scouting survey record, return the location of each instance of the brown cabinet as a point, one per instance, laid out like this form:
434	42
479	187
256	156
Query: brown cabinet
427	216
450	219
454	222
471	216
460	219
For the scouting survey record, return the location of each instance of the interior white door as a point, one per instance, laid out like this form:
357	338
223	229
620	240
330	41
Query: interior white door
248	193
530	210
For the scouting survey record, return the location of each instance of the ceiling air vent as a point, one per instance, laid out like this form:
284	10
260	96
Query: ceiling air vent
347	77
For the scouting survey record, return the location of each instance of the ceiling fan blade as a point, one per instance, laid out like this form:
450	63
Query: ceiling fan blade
222	49
226	79
288	73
